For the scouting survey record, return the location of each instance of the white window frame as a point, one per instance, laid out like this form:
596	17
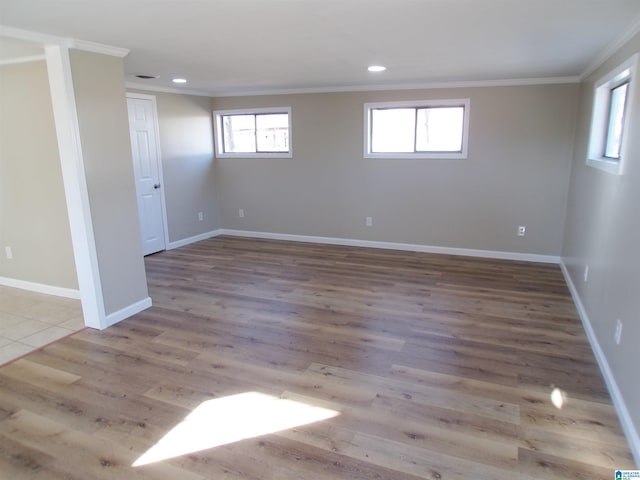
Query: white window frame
218	134
461	102
624	72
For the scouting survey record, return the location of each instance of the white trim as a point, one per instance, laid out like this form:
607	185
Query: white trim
410	247
26	59
610	166
29	36
616	395
156	126
161	89
401	86
357	88
218	132
46	39
194	239
458	102
126	312
612	48
40	288
98	48
75	184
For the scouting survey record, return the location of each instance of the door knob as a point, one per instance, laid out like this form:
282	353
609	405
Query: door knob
156	186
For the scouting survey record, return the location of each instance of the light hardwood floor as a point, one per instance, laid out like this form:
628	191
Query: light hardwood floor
407	365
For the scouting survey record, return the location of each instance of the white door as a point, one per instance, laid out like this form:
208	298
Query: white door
146	167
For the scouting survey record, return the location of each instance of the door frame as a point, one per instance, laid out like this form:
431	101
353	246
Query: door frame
156	127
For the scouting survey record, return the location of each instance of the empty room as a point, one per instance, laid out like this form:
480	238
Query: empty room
305	239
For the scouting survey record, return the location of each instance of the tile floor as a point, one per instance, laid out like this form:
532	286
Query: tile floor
30	320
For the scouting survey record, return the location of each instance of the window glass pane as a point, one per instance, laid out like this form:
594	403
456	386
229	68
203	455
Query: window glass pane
616	121
393	130
439	129
272	132
239	133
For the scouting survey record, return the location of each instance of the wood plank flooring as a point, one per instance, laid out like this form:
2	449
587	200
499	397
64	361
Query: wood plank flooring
430	366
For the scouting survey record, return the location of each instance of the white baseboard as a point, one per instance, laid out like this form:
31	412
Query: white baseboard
616	395
127	312
195	238
40	288
527	257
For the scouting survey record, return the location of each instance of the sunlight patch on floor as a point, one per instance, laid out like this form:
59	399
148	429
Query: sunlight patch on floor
229	419
558	398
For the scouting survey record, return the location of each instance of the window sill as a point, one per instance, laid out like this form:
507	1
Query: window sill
609	166
255	155
420	156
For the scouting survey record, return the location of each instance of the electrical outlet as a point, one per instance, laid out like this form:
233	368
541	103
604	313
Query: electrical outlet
618	333
586	273
241	213
200	216
522	229
8	252
369	221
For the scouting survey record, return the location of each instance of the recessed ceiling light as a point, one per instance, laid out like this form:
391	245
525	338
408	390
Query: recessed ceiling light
179	80
376	68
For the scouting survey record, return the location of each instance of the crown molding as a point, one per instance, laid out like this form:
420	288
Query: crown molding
357	88
98	48
29	36
46	39
612	48
404	86
158	88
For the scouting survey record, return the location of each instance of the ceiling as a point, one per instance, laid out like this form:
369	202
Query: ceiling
228	47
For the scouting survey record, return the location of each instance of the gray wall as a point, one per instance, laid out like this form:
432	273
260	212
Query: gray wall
104	134
33	212
603	231
517	173
186	144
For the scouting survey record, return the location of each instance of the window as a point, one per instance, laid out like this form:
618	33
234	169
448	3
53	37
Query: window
264	132
617	108
608	123
431	129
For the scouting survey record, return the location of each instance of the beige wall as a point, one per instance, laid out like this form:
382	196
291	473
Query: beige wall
104	134
33	212
186	144
517	173
603	231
